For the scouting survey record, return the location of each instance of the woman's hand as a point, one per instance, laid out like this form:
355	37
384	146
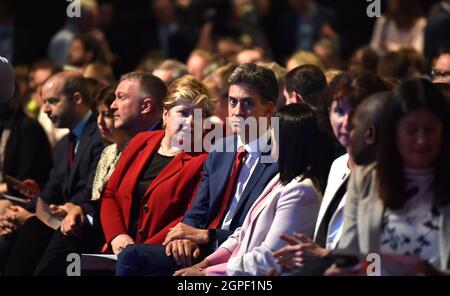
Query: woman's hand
198	269
299	246
120	242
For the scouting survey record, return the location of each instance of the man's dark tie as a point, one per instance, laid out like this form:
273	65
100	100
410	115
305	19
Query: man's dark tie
238	162
71	150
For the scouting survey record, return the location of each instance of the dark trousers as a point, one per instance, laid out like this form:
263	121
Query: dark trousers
40	250
5	247
54	259
141	259
29	245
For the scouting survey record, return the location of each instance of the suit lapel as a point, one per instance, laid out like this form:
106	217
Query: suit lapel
267	190
254	178
89	129
217	187
84	141
374	211
142	157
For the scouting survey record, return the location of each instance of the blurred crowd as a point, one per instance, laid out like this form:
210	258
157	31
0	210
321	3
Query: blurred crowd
100	129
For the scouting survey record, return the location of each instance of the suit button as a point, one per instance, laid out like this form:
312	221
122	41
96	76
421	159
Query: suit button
145	208
141	232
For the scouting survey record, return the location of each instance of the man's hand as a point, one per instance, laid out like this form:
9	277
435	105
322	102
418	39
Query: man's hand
7	225
73	222
183	251
120	242
299	246
183	231
14	216
62	210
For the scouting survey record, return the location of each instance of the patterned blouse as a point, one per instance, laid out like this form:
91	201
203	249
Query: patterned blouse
414	229
108	160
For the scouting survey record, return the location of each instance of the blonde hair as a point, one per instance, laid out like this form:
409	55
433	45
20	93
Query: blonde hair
190	89
331	73
305	57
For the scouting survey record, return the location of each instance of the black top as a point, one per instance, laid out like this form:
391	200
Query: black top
321	237
151	170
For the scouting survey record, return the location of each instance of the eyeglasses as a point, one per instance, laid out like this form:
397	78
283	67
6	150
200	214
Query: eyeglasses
436	74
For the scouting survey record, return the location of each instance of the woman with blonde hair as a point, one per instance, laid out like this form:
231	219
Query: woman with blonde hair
156	178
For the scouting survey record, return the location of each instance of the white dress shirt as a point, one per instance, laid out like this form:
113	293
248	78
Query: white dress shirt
251	160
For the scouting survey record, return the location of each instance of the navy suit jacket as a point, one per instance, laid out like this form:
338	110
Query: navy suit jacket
217	171
74	185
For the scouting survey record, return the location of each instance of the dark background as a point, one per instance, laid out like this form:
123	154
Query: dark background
37	21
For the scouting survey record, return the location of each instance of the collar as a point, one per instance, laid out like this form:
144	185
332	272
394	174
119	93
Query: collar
79	127
257	145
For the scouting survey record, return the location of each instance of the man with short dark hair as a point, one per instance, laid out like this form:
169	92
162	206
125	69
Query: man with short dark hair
304	85
66	102
365	128
138	105
231	182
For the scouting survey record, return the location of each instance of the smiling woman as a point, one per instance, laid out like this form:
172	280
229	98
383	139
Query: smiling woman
406	195
155	181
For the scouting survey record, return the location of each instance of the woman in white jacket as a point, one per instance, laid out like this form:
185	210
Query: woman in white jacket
290	202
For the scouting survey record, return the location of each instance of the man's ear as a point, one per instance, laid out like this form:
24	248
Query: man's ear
270	106
146	106
77	98
298	98
371	135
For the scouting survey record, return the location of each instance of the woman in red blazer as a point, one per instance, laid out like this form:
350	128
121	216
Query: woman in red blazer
155	180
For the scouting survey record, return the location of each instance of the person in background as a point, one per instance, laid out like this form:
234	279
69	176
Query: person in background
304	84
406	194
441	70
402	26
67	103
170	70
79	232
341	98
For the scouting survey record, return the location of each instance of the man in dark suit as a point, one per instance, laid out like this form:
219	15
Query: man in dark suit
137	108
66	102
229	186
